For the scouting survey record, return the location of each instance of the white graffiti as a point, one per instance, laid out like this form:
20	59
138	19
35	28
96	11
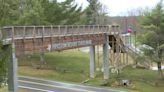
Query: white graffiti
70	44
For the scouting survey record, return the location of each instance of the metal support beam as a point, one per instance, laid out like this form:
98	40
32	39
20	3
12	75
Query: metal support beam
92	62
106	58
12	76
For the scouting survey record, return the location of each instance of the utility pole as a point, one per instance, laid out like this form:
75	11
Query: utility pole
12	76
13	65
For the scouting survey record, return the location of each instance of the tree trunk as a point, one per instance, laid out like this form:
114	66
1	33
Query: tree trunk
42	60
160	69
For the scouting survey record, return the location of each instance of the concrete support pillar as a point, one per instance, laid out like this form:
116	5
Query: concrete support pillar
92	62
12	76
106	58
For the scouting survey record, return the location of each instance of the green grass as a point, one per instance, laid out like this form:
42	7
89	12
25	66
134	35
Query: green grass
68	66
73	66
4	89
144	80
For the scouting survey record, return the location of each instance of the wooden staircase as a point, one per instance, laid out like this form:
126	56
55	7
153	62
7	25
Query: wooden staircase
116	44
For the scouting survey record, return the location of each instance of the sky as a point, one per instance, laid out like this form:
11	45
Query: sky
120	7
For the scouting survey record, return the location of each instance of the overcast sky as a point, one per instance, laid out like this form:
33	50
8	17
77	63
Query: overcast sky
120	7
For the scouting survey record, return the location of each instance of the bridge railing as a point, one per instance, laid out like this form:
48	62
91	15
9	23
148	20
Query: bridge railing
19	32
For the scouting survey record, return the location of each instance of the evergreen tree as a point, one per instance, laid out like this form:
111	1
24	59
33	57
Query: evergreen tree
39	12
31	13
8	15
94	12
9	12
153	22
66	12
4	58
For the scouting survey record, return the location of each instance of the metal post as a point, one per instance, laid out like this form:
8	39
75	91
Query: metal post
135	34
92	62
106	58
12	76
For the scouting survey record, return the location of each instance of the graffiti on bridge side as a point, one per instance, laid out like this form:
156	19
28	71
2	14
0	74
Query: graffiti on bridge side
58	46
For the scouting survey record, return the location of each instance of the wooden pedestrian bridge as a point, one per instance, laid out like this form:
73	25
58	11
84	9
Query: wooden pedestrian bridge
37	39
41	39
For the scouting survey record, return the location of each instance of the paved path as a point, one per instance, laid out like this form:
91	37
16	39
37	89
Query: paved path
52	86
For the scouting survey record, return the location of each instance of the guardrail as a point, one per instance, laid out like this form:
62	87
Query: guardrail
16	32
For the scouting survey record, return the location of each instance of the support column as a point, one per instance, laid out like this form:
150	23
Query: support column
92	62
106	58
12	76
